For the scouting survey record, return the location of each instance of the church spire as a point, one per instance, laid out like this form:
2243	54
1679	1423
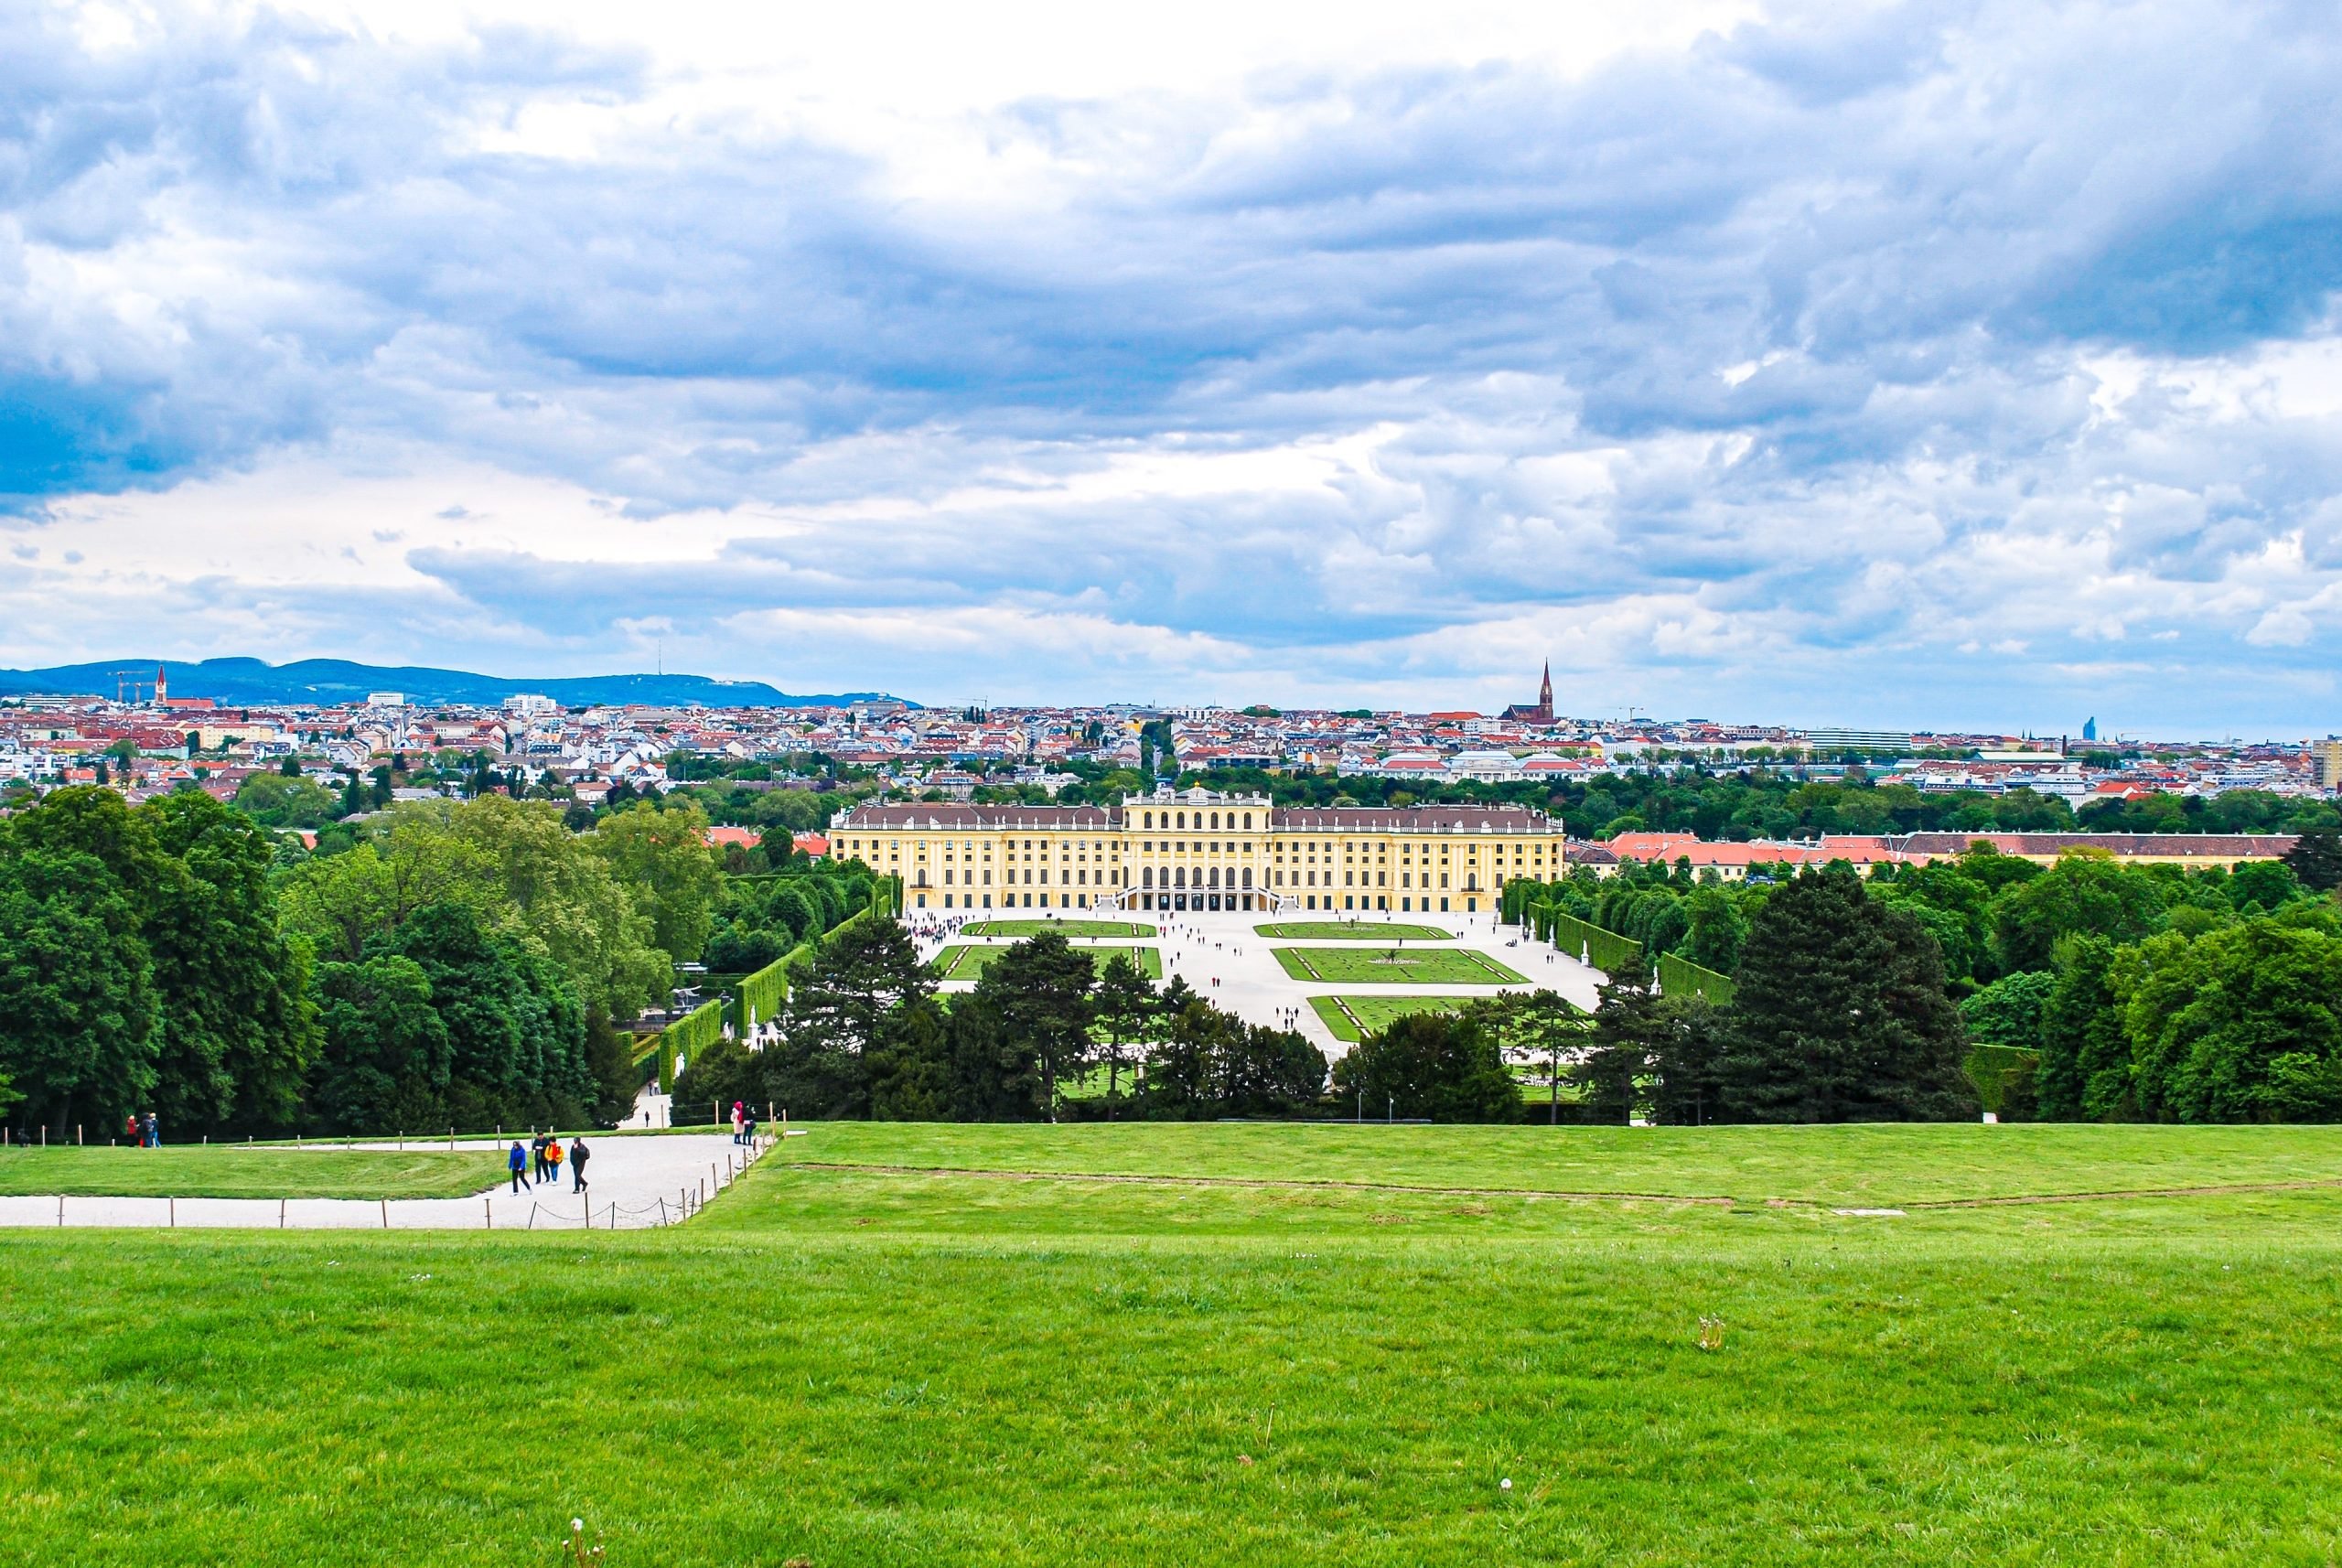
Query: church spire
1545	689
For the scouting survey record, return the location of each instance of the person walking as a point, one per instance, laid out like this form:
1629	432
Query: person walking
578	1154
552	1161
154	1132
739	1116
518	1162
537	1157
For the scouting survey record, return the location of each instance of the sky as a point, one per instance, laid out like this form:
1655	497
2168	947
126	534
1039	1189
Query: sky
1918	366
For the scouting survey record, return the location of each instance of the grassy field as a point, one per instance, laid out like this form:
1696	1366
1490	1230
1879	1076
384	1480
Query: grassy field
1062	928
858	1356
1352	1018
1412	966
1352	931
968	962
182	1171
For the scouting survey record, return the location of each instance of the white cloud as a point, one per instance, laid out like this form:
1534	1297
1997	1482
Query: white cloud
1890	365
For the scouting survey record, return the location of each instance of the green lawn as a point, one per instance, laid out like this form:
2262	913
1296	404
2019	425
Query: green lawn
968	962
1352	1018
905	1366
1062	928
1873	1164
180	1171
1405	966
1352	931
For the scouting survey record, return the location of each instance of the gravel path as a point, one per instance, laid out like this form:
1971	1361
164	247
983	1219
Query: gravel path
637	1181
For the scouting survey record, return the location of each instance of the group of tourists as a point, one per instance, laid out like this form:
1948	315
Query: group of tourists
744	1123
144	1132
540	1161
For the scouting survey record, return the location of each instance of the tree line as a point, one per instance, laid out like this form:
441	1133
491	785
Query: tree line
456	963
1048	1034
2084	989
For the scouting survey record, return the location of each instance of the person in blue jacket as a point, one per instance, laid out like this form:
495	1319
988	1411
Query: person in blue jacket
518	1160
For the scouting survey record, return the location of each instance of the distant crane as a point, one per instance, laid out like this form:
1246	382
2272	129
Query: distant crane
128	684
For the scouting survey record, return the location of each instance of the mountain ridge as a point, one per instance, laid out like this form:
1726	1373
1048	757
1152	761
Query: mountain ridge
243	681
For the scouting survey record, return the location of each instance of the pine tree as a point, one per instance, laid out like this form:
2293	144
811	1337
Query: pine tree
1840	1013
2317	860
1126	1003
1041	991
1627	1028
840	1011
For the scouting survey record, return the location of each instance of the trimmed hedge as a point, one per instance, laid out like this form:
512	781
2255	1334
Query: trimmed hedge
690	1034
1677	976
761	995
1606	951
1990	1068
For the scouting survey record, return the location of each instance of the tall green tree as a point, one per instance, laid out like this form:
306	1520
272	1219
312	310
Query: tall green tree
662	857
1126	1006
995	1077
279	801
2081	894
2316	859
2243	1024
1442	1065
77	999
2010	1011
2085	1070
567	898
1625	1035
1537	1026
1261	1072
1840	1013
1686	1087
1715	931
842	1009
236	1031
516	1031
386	1060
1041	991
911	1073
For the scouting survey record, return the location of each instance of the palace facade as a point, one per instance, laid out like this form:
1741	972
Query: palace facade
1201	849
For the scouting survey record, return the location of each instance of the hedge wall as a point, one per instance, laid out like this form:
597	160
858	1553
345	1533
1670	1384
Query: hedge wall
1989	1067
761	995
691	1034
1606	951
1678	975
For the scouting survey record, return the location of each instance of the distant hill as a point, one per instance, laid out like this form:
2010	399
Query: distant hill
238	682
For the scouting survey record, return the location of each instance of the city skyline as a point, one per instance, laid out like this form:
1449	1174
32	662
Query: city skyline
255	683
1926	365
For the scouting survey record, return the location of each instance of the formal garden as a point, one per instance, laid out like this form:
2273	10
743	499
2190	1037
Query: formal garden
1351	931
1353	1017
968	961
1396	966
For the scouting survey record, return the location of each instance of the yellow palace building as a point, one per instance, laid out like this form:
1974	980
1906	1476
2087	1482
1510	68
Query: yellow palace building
1200	850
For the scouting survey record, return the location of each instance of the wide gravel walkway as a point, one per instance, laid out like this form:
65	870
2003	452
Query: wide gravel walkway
636	1181
1205	946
